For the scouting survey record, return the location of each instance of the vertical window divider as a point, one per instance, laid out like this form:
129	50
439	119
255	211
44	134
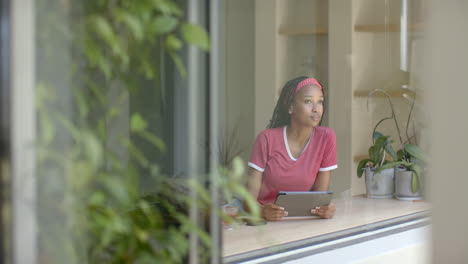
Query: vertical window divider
23	130
216	78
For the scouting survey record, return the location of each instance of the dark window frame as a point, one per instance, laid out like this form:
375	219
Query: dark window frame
5	120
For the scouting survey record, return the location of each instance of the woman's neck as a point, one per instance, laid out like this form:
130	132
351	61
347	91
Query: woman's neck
297	134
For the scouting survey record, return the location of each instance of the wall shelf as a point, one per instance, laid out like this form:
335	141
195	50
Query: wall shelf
385	28
358	158
392	93
302	31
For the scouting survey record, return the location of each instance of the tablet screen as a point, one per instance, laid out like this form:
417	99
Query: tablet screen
300	203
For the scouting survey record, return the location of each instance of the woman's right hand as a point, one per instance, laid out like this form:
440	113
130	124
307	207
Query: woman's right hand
273	212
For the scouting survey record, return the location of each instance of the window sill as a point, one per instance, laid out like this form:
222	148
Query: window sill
354	216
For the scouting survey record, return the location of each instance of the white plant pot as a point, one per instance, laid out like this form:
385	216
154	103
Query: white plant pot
381	185
403	191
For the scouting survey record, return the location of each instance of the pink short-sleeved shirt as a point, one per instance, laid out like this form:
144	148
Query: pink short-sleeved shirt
282	171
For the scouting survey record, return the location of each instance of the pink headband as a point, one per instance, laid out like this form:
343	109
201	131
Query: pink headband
308	81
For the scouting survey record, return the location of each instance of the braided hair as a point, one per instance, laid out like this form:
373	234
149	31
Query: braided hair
281	117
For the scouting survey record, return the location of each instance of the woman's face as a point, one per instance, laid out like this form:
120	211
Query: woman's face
307	106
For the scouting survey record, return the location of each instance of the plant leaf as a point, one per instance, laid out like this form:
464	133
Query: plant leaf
164	24
361	166
400	155
416	177
173	43
387	166
376	152
167	7
391	151
137	123
103	28
376	135
196	35
156	141
416	152
179	64
134	25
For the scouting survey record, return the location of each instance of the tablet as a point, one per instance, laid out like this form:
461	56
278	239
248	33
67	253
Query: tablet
300	203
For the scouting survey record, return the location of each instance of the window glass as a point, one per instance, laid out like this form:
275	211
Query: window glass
118	132
367	56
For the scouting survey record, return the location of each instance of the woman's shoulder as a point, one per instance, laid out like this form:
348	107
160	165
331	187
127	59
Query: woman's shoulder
325	131
272	131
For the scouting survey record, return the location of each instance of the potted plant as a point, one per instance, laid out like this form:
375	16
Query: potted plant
410	163
378	176
410	158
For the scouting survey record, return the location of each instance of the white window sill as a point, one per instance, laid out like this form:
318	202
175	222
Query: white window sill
355	216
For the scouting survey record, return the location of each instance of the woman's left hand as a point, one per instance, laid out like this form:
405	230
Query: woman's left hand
324	211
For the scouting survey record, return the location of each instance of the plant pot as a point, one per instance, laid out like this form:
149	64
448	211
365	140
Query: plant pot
381	185
403	191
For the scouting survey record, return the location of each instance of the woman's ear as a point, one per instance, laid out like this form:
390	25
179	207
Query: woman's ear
290	109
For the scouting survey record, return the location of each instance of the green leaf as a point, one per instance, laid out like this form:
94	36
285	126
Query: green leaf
164	24
103	28
134	24
105	67
378	149
196	35
414	183
371	154
238	169
376	135
136	153
400	155
137	123
391	151
92	147
173	43
387	166
417	172
361	166
72	129
174	9
179	64
97	199
47	129
167	7
416	152
157	142
80	173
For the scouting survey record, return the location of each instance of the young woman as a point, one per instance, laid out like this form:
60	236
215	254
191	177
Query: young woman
294	153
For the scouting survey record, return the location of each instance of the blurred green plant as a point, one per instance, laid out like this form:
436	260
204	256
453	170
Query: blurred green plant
91	205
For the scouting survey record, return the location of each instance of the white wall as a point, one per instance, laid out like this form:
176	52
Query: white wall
239	99
446	63
376	64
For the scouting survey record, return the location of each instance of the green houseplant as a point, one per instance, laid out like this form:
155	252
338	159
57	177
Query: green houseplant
91	176
409	160
378	176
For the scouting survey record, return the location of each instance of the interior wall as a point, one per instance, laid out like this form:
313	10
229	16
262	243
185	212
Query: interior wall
305	54
376	65
266	59
239	95
446	62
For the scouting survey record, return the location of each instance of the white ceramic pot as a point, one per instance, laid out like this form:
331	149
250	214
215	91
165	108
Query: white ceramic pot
381	185
403	191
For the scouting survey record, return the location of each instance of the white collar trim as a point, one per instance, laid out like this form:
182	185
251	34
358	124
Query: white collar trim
285	137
